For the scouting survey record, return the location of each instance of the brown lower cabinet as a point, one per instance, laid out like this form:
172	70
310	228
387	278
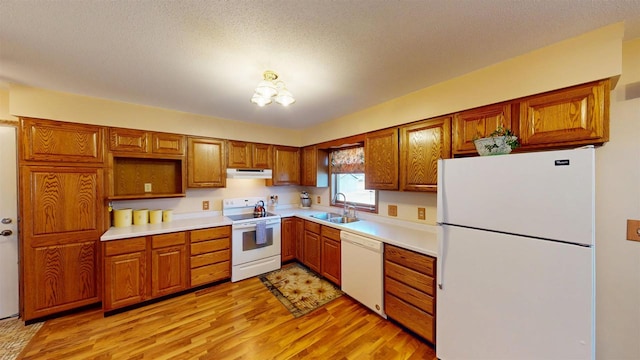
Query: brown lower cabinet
312	246
331	267
409	290
288	231
142	268
210	255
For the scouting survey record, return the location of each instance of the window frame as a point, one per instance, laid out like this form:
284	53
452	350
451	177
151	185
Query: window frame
362	207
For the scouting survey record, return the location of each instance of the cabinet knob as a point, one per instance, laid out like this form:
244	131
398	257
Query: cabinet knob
6	232
6	221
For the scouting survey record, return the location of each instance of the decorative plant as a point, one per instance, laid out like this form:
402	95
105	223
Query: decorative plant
509	138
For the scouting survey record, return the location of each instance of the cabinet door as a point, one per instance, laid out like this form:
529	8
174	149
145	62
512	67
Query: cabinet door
574	116
168	270
124	279
261	156
286	165
206	166
128	140
299	238
57	141
331	268
381	160
170	144
59	277
315	167
239	154
288	239
421	145
312	251
478	123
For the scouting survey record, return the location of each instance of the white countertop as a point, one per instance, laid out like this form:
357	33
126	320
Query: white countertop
193	222
411	236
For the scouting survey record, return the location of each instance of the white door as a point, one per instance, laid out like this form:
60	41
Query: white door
8	223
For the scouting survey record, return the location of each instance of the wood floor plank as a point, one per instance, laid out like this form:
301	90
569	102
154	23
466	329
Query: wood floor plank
229	321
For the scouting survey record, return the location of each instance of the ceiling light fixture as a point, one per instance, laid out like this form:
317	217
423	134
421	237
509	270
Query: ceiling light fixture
271	88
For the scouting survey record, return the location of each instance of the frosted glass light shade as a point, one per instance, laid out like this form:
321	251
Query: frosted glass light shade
284	97
266	89
260	100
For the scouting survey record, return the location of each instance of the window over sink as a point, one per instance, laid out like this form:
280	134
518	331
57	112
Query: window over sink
346	169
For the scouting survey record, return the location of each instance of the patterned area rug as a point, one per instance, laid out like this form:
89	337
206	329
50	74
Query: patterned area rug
14	336
299	289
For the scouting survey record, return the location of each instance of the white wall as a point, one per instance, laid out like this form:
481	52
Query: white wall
618	199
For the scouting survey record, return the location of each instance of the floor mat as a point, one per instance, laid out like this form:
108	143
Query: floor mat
14	336
299	289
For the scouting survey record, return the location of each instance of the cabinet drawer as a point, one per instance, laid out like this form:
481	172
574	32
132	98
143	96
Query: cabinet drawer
311	226
331	233
164	240
412	296
410	277
212	233
413	318
210	273
126	246
418	262
209	246
210	258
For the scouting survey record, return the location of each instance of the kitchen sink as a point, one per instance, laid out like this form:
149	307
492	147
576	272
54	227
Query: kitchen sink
334	218
343	220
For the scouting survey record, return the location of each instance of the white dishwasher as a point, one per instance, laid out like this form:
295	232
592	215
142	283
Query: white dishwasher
362	270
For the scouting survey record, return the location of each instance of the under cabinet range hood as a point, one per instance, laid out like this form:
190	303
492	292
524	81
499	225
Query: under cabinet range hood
249	173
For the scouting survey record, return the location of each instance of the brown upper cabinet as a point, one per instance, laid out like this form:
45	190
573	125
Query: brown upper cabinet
421	145
144	164
315	167
145	142
286	166
246	155
478	123
381	159
574	116
205	163
57	141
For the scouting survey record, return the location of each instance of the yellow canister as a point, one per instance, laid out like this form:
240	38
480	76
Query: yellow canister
155	216
122	217
140	216
167	215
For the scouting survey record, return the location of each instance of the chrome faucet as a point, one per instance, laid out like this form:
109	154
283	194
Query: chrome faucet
344	209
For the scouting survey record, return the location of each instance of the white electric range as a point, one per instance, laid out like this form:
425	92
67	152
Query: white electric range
255	239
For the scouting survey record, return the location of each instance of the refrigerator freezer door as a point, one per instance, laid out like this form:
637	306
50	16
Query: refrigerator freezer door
543	194
534	303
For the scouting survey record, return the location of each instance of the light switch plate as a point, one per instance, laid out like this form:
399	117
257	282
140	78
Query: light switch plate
147	187
633	230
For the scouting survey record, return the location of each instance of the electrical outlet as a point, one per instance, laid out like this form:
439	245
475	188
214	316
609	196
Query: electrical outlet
318	199
421	215
633	230
205	205
147	187
392	210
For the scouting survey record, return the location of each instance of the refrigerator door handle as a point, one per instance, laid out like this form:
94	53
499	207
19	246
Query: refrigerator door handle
440	193
440	261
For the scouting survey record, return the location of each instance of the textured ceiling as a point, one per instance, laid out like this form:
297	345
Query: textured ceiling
336	57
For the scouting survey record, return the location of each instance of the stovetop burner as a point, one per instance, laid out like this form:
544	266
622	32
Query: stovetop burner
249	216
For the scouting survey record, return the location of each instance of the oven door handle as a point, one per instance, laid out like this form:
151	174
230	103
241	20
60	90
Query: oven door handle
253	225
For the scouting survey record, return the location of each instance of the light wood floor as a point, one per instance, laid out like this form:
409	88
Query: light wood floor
228	321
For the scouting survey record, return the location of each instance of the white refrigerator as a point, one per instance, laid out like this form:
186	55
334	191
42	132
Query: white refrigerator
516	263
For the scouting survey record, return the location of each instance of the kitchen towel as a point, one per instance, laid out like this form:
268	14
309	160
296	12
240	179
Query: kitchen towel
261	233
